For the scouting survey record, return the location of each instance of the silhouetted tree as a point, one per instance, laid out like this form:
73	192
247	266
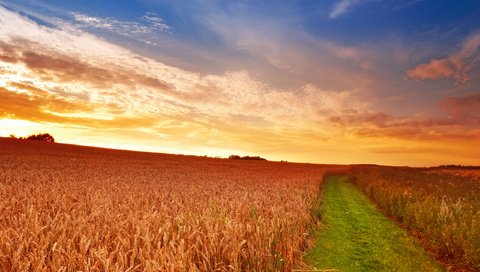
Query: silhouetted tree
253	158
44	137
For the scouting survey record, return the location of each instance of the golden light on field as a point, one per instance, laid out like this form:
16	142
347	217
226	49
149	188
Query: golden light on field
119	119
439	204
84	208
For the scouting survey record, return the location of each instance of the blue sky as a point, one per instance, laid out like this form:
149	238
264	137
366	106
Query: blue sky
356	22
379	71
359	21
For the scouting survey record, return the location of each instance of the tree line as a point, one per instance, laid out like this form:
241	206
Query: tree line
43	137
254	158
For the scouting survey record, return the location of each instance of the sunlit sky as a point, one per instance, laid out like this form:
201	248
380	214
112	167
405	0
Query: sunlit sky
334	81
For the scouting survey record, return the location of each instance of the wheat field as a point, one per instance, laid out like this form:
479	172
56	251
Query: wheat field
439	207
473	174
70	208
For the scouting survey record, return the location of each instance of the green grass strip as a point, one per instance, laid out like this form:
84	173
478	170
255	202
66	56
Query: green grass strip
358	237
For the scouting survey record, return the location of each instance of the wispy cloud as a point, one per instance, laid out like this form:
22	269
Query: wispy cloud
155	21
56	62
149	24
343	6
465	109
295	57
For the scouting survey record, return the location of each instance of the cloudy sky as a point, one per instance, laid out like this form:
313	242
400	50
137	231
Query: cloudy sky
335	81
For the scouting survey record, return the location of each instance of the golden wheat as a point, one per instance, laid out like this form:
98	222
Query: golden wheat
440	208
470	173
67	208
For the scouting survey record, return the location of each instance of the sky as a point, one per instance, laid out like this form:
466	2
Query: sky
392	82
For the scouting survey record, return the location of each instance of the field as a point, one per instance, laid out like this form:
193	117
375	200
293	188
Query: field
74	208
441	209
70	208
469	173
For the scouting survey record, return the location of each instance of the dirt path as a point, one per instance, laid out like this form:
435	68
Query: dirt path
357	237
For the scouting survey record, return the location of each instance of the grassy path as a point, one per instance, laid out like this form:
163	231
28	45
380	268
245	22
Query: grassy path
357	237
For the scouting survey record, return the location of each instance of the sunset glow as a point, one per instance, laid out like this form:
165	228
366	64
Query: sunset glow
386	82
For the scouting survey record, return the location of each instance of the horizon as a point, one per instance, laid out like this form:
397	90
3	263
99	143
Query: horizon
337	82
23	138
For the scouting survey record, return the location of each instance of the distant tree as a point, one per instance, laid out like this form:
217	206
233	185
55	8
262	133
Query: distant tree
44	137
253	158
13	136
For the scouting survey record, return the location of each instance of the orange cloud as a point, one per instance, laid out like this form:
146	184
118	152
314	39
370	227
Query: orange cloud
458	65
58	67
32	106
41	106
433	70
462	122
465	109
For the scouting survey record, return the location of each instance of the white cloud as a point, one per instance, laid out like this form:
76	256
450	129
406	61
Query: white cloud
221	97
342	7
152	24
292	57
155	21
